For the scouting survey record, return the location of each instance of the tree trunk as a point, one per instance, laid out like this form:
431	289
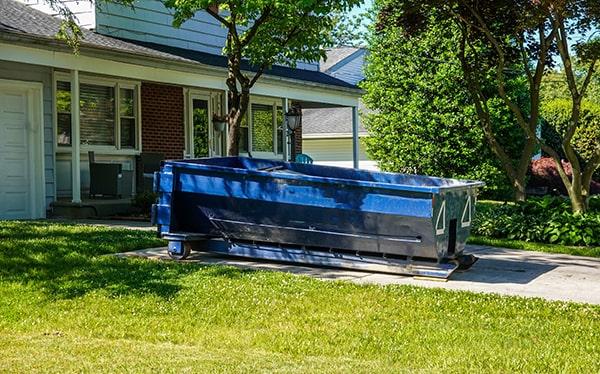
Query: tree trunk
519	188
575	190
238	107
578	200
234	133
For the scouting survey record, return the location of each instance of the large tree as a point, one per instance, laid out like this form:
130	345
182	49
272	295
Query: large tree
422	119
263	33
502	35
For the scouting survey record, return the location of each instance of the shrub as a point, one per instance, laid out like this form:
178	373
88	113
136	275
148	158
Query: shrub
144	201
557	114
543	220
543	173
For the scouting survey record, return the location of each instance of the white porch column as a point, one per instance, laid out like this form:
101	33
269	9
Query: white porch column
75	139
355	144
226	109
284	129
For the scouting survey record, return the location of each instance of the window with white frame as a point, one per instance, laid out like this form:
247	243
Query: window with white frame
108	113
261	130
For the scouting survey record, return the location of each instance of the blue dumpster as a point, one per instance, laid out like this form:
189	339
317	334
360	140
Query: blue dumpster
314	214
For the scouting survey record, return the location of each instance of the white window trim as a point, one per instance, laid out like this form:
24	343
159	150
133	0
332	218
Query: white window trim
216	105
192	95
274	102
109	82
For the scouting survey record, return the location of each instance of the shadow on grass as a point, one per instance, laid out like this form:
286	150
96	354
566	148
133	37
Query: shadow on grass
67	261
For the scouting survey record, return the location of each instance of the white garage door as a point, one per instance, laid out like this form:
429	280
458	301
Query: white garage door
15	166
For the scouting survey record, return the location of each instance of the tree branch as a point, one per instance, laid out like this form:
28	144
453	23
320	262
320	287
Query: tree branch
589	170
588	78
499	68
525	60
216	16
282	44
563	50
482	111
251	32
559	166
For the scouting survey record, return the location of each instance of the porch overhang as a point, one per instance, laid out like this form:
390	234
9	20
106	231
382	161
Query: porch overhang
40	50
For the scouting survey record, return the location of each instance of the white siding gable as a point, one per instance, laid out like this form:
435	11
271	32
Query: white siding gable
350	69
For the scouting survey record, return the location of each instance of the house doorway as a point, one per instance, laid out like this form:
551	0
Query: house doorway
205	140
22	183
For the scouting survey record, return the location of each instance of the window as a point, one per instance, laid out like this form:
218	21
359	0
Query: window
108	114
266	131
262	128
63	113
97	114
127	117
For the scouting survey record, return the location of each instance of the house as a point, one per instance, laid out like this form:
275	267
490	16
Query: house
327	135
142	87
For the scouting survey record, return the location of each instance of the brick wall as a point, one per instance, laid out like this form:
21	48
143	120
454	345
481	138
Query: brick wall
163	120
298	136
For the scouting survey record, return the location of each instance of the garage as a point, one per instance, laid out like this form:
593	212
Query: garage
21	148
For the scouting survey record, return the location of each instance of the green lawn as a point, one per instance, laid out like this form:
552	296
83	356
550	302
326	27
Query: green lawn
537	247
65	307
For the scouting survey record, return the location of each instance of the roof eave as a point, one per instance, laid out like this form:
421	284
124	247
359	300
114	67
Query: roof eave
190	66
332	135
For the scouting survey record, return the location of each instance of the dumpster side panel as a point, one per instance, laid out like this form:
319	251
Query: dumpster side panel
268	209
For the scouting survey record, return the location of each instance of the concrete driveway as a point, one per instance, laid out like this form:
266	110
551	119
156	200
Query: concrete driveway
499	270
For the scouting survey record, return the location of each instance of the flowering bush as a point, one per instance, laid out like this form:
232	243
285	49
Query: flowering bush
543	173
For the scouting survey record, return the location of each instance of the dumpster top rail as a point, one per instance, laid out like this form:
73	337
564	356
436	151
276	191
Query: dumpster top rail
324	174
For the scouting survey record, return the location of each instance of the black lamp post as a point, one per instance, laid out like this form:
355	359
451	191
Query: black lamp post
292	120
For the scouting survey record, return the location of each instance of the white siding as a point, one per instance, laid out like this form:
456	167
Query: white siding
150	21
34	73
335	152
82	9
350	69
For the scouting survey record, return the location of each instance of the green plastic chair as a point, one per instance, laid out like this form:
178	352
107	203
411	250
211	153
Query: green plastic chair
303	158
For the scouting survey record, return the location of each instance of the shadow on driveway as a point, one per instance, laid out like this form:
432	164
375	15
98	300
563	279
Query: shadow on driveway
499	270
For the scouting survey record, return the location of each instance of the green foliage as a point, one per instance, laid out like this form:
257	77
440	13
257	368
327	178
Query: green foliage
262	128
201	132
285	32
423	120
352	30
557	114
554	85
543	220
263	33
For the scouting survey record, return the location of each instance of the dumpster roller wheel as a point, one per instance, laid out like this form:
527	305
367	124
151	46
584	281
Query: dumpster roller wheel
179	251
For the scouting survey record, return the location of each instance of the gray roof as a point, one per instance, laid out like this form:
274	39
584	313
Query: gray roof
17	18
330	121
